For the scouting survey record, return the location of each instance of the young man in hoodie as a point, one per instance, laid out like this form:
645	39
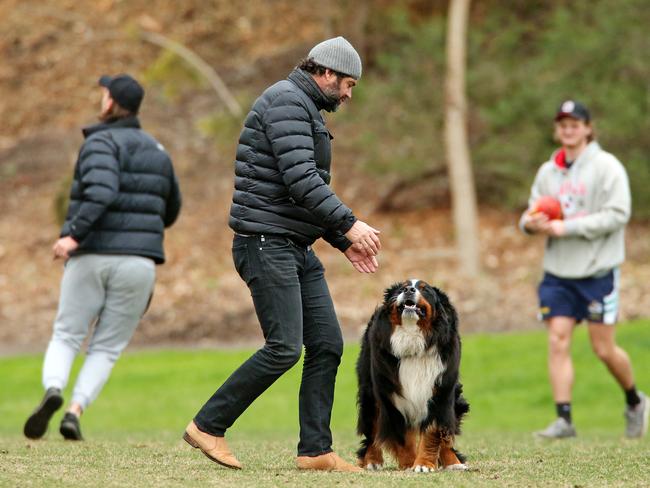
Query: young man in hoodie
583	253
282	203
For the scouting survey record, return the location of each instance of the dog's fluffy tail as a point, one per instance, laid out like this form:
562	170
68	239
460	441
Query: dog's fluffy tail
461	407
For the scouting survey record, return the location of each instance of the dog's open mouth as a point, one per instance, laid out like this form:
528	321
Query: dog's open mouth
409	307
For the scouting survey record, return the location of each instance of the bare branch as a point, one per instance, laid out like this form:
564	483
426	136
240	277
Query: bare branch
201	66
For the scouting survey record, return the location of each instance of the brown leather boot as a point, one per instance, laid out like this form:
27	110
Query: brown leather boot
215	448
326	462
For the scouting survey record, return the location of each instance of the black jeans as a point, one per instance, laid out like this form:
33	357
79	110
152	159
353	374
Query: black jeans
294	307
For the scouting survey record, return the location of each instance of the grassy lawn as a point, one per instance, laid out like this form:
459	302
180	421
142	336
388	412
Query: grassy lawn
133	430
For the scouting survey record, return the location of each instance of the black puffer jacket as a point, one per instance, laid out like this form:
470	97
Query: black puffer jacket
124	192
282	168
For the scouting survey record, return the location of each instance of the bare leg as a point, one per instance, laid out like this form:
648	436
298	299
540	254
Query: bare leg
615	358
75	408
560	366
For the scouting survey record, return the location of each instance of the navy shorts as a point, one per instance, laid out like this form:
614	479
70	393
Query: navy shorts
591	299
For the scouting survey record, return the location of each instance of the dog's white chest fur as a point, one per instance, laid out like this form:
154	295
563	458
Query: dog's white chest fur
419	370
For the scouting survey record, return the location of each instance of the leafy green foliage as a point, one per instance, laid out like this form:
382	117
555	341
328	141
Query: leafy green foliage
524	58
172	73
521	68
397	107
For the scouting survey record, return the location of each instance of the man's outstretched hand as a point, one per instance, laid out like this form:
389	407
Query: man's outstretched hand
360	259
366	238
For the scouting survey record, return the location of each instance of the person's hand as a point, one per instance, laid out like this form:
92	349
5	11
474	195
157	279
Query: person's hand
367	237
63	247
360	259
536	222
555	228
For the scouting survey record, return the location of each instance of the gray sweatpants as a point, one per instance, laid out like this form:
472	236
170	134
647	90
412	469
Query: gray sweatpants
110	291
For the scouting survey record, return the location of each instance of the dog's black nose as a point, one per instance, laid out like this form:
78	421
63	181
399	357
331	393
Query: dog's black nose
410	290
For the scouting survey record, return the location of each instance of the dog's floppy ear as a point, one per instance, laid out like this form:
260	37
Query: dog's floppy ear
444	309
391	292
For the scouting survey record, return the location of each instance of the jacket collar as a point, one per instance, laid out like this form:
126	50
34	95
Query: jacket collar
123	122
306	83
559	156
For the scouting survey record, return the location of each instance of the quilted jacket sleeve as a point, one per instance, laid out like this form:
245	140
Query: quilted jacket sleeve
174	201
337	240
99	174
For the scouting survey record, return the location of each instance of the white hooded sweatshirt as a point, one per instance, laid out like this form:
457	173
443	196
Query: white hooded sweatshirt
595	195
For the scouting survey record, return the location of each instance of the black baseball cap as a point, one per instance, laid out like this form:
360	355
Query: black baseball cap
125	90
573	109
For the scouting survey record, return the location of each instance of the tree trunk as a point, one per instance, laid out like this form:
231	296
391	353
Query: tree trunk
461	177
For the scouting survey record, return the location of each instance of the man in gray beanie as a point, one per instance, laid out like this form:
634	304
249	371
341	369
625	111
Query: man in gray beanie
282	203
337	54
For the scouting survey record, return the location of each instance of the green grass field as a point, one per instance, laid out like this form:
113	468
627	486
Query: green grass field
133	430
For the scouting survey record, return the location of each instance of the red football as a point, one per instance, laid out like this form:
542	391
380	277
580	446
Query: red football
549	206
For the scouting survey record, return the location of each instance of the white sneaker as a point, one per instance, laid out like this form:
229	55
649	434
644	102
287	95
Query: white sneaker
636	418
559	429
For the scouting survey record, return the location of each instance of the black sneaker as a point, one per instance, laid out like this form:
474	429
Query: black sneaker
36	424
70	427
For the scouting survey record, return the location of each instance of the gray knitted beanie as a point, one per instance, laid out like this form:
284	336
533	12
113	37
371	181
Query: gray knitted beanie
337	54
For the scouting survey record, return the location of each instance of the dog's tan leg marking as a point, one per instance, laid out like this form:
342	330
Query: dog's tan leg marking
404	454
428	451
374	458
447	455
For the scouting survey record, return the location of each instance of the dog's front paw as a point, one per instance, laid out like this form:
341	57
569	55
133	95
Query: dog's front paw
421	468
374	467
457	467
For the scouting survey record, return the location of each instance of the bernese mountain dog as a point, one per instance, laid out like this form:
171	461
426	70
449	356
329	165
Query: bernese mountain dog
410	400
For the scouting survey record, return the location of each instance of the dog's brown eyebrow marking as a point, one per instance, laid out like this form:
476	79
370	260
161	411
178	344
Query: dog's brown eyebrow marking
421	286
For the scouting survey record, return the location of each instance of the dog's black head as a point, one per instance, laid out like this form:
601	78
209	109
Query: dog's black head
417	302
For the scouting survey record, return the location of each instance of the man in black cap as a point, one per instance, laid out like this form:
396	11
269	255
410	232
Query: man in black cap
124	91
123	195
281	204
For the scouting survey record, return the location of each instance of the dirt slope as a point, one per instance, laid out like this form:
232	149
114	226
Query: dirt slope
52	54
